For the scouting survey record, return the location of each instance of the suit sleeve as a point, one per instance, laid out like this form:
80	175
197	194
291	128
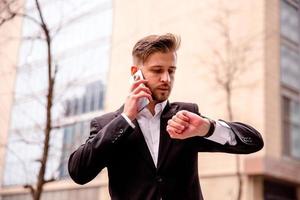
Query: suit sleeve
89	159
249	140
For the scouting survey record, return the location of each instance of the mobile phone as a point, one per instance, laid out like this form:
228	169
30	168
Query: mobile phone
144	101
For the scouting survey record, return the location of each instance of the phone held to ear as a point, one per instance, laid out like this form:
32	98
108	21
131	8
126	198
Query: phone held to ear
144	101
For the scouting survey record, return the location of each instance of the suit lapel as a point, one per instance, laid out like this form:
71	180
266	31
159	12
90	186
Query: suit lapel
165	140
142	147
139	140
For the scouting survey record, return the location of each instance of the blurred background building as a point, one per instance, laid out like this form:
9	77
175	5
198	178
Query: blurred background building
251	46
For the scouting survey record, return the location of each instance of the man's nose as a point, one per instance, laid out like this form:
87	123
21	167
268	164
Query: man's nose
165	77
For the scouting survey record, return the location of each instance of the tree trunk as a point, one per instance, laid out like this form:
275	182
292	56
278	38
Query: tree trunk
51	80
228	90
239	176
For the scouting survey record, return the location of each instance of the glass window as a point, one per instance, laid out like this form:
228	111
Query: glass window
290	76
67	108
291	127
90	99
101	98
295	129
290	68
83	105
74	135
289	21
81	52
68	136
76	105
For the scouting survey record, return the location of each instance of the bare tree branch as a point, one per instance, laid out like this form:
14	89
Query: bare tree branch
231	60
31	189
46	35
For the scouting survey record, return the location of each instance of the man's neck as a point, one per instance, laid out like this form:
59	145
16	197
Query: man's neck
151	107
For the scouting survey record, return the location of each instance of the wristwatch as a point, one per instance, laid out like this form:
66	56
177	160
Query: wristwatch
211	128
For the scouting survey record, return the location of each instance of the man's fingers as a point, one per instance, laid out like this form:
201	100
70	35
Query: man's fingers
141	88
142	94
137	83
183	115
177	126
174	134
179	119
173	130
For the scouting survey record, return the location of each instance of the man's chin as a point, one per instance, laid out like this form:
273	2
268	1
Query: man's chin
160	98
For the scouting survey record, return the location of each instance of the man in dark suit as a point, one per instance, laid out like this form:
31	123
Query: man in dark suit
151	153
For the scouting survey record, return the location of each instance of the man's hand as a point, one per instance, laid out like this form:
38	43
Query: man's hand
186	124
137	91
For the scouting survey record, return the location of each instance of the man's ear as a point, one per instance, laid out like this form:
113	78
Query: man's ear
134	69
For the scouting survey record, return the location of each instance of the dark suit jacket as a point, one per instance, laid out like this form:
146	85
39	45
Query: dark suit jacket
132	173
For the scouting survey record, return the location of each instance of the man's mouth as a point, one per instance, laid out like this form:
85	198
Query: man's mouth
164	88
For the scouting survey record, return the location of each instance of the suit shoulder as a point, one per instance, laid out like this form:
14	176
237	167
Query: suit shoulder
185	106
105	118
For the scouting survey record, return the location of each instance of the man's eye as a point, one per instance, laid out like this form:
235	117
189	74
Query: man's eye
156	70
171	71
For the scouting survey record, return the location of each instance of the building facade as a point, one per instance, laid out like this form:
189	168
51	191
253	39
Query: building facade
257	42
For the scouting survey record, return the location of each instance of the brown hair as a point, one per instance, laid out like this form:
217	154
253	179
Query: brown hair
152	44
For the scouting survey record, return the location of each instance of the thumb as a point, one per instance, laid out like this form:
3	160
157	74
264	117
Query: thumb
193	118
189	114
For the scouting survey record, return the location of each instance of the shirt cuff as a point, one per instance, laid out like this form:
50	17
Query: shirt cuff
223	134
128	120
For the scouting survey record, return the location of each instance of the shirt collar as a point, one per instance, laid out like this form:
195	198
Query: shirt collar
159	107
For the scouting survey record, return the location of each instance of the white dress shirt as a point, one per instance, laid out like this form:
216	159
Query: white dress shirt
150	127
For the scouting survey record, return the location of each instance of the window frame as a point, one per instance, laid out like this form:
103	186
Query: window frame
291	95
287	91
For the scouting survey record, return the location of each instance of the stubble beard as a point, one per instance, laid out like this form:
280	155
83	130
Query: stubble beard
159	97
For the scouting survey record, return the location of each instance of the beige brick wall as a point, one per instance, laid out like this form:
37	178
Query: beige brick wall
225	188
219	187
194	22
272	80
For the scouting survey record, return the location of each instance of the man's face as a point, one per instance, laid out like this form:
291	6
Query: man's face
159	70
